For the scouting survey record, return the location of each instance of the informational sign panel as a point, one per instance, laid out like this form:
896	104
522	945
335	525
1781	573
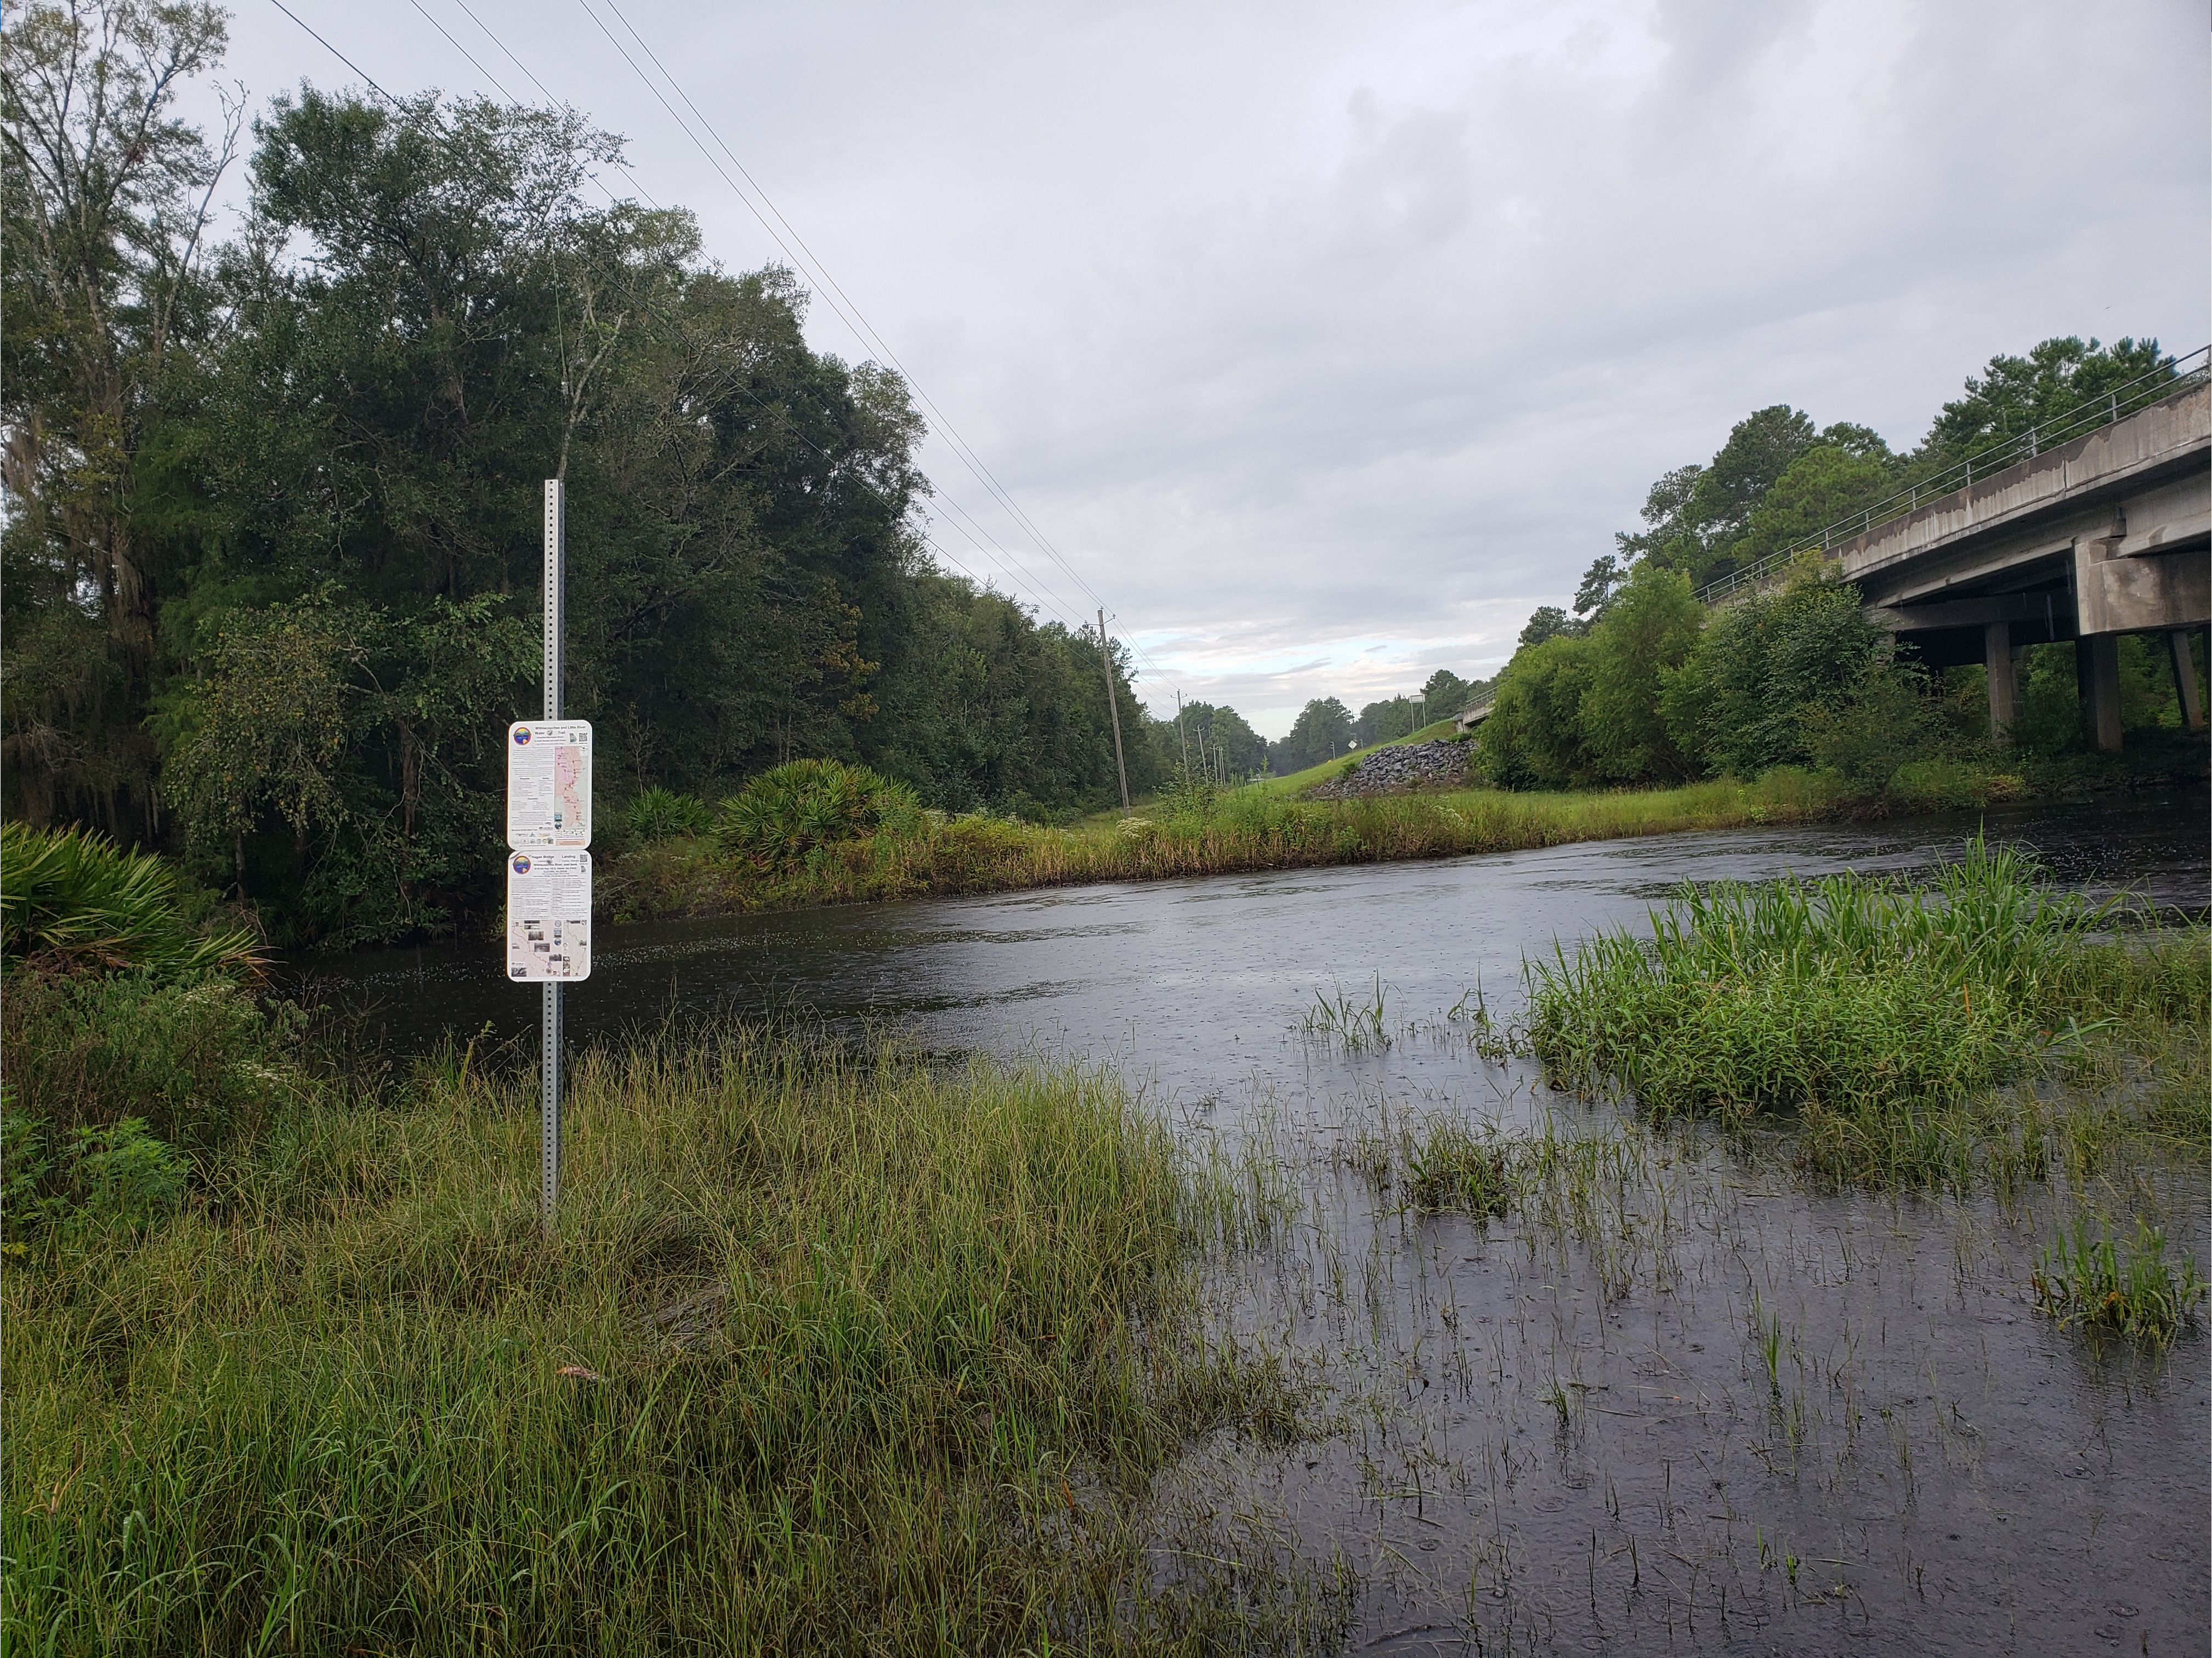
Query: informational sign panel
549	783
549	916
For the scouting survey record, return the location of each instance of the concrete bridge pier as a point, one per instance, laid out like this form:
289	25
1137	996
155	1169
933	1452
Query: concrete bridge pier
2106	535
2004	681
2097	674
2182	660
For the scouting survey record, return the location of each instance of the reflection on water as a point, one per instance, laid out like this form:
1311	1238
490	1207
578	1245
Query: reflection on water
1194	980
1681	1404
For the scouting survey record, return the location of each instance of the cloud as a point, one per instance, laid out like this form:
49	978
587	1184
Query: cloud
1326	343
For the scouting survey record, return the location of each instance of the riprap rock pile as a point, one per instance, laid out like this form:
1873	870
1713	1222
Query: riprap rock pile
1403	766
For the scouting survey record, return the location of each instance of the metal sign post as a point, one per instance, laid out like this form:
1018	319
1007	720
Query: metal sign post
549	1087
549	859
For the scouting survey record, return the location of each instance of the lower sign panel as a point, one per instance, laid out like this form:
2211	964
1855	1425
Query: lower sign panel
549	916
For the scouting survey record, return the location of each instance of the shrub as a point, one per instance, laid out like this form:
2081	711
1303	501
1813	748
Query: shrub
661	814
196	1058
1862	738
1773	669
783	815
118	1176
73	901
120	1009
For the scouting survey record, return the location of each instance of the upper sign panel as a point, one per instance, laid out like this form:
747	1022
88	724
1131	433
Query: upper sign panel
549	783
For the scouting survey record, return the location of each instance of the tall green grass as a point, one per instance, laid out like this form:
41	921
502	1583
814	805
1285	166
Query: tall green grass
1869	1008
1242	829
829	1353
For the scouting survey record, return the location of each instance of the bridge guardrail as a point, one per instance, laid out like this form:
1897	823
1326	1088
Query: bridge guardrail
2114	404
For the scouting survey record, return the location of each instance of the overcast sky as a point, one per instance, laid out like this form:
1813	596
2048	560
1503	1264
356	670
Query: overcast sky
1326	342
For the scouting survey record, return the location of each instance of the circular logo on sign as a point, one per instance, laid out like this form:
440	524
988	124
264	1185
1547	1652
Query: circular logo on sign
521	862
521	736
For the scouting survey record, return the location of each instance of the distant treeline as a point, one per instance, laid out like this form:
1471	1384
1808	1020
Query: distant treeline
1216	742
271	555
1641	684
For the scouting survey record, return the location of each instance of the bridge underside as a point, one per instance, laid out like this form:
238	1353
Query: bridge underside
2110	536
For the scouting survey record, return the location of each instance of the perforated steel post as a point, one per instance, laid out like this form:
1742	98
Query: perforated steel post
549	1094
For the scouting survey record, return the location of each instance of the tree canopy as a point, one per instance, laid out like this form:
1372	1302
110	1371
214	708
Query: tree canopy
271	588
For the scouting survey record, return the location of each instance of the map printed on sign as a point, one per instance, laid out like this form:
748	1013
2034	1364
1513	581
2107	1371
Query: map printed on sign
549	916
549	783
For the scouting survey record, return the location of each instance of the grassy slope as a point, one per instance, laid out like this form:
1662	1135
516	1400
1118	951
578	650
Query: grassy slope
828	1355
1298	781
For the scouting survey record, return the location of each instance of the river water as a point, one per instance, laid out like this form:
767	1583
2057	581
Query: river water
1732	1412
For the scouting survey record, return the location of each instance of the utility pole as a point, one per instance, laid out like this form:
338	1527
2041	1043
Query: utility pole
1182	736
1114	707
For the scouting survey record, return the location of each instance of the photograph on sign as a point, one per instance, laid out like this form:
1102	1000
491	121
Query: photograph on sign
549	783
549	916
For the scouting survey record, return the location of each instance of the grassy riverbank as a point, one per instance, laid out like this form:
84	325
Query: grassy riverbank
1267	825
833	1351
1242	829
829	1353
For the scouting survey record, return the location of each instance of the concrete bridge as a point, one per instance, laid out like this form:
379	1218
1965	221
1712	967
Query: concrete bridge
2108	534
2094	525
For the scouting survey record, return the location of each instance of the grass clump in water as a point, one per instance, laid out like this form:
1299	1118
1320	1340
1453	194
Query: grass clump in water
2083	1280
1447	1167
830	1353
1859	1003
1438	1163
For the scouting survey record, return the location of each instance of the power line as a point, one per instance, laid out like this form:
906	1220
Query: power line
980	537
859	323
336	53
831	292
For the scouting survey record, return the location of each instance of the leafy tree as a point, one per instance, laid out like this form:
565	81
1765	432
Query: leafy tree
2015	393
1650	629
1670	534
1549	621
1824	486
1759	449
1386	721
984	708
1322	732
1210	741
1532	738
105	202
1446	694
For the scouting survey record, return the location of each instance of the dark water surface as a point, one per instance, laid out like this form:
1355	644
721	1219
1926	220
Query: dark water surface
1197	980
1679	1402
